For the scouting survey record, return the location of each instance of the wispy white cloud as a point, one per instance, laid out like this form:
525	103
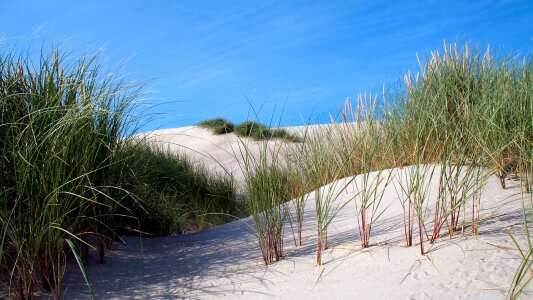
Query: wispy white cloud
38	29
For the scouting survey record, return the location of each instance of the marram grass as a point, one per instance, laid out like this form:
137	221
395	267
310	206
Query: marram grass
68	173
60	130
71	178
218	125
466	112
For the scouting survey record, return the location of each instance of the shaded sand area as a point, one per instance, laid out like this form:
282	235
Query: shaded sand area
225	262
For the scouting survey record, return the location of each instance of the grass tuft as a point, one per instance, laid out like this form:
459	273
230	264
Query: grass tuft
177	196
218	125
71	179
254	130
258	131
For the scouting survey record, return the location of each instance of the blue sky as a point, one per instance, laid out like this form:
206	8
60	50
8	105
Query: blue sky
206	59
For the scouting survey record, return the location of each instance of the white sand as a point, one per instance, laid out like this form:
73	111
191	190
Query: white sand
219	153
225	262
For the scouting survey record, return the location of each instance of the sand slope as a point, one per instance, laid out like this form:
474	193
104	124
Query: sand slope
220	153
225	262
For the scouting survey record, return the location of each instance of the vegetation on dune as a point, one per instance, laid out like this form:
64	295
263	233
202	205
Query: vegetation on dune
524	272
60	132
218	125
266	189
258	131
465	116
177	196
71	180
250	129
283	134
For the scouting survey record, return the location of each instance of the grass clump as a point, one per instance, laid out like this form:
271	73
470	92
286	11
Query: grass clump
254	130
524	271
71	178
62	126
283	134
218	125
267	192
258	131
465	116
176	195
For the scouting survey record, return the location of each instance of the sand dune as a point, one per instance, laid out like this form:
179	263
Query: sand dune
225	262
219	153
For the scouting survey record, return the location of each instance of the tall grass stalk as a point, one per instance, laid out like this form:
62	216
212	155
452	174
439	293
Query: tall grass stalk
370	189
266	184
298	184
370	160
327	205
414	187
524	272
459	182
325	172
